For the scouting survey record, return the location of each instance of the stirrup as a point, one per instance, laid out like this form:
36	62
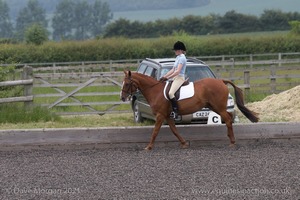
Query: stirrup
173	115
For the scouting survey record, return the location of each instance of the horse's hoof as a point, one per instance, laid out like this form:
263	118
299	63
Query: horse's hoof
148	148
186	145
232	145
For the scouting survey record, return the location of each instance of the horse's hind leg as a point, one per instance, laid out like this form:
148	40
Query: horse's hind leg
184	144
227	118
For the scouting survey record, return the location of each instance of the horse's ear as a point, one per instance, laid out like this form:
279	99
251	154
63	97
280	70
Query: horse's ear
127	73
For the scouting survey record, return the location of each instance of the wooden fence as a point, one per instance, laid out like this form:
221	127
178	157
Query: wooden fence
82	86
68	85
27	82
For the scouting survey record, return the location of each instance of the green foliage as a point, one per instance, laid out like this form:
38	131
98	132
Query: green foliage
80	20
62	20
6	28
6	74
7	41
295	27
230	22
233	22
122	48
36	34
274	20
33	13
17	113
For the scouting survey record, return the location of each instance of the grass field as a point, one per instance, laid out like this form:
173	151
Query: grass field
88	121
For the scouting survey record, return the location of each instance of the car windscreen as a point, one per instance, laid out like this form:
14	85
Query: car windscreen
193	72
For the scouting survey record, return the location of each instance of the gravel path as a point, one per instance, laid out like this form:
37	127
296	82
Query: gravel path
257	170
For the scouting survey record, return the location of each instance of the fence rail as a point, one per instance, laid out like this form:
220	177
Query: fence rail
70	85
266	58
27	82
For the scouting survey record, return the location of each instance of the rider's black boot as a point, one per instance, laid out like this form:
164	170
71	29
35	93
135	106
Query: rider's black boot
174	114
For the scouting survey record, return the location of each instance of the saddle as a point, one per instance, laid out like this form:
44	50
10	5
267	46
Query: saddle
185	91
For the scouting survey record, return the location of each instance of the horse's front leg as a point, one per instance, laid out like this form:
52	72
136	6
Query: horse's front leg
184	144
157	126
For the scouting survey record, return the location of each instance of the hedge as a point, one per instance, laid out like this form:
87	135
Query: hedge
122	48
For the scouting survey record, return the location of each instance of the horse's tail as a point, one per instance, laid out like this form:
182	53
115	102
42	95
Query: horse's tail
239	98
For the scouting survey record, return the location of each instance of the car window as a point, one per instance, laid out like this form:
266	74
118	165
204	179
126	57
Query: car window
142	68
196	73
150	71
164	71
193	73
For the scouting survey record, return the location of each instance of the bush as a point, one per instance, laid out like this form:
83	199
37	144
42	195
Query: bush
8	41
8	73
123	48
36	34
295	27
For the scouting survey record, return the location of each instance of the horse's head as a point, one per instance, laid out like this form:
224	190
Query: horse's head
128	87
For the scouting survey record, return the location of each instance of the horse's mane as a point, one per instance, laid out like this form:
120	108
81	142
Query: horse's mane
143	76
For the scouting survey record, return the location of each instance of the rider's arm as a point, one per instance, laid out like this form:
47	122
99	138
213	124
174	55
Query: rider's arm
167	75
174	72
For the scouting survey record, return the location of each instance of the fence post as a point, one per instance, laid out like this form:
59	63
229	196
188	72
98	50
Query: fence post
217	70
231	70
27	74
54	68
247	83
223	60
83	66
273	79
111	66
251	61
279	59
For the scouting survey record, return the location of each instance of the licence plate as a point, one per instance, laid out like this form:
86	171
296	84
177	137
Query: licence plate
200	114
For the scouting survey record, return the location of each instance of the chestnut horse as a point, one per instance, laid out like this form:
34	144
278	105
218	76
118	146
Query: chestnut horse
209	92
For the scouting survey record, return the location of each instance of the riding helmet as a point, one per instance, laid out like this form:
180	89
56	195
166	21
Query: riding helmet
179	46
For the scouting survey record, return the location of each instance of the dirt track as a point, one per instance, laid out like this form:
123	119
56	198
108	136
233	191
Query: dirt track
258	170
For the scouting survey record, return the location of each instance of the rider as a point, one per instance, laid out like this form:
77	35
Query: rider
178	75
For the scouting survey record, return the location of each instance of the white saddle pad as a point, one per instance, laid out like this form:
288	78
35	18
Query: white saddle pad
186	91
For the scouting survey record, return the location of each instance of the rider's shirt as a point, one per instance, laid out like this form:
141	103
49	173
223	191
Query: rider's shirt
180	59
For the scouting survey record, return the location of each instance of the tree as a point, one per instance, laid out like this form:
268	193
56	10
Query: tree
191	24
31	14
62	22
274	20
81	20
233	22
101	14
117	28
36	34
6	28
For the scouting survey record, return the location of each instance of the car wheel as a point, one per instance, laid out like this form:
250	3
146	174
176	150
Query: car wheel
137	117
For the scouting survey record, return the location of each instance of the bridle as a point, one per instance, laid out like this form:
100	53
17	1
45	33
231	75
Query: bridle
131	85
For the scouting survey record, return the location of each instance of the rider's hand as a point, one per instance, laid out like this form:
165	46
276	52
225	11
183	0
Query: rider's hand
163	79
